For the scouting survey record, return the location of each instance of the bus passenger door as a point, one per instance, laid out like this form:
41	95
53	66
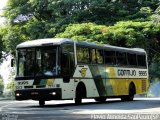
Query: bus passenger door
66	67
68	82
67	61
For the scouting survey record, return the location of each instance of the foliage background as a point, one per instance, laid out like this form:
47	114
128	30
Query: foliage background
126	23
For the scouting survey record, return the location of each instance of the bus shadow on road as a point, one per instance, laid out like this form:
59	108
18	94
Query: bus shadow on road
78	105
109	105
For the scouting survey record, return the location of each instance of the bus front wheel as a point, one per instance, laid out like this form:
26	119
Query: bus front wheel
78	100
41	102
101	99
80	93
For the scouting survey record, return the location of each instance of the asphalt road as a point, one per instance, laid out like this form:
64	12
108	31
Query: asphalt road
140	108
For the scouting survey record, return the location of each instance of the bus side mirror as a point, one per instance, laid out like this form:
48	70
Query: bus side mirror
12	62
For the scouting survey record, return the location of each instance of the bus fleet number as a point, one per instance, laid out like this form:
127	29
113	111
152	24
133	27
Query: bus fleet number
142	73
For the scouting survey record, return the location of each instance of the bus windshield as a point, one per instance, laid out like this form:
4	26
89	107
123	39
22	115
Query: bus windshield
38	62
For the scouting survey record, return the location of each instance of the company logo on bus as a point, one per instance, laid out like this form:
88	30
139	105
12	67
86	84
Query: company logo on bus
126	72
122	72
83	72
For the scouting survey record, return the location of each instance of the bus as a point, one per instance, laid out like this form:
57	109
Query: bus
64	69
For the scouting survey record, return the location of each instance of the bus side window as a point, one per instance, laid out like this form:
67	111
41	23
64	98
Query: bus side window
132	59
121	58
141	60
100	55
83	55
93	56
110	58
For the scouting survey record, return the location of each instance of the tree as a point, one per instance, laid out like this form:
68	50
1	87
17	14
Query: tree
1	45
12	36
34	19
156	15
126	34
154	70
1	86
64	12
85	32
11	86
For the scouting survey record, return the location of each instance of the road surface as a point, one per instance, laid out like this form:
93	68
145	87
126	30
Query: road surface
140	108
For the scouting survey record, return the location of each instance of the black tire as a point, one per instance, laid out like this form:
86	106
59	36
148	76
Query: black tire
132	92
41	102
80	93
130	97
78	100
101	99
124	98
127	98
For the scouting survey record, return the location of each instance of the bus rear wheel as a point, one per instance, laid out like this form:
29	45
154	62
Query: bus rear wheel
127	98
41	102
132	92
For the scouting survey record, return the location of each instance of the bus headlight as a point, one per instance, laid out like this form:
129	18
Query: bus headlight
53	93
18	94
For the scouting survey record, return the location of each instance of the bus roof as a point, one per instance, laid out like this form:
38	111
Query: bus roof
43	42
58	41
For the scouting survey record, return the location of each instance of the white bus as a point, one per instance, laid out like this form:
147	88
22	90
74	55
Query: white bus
61	69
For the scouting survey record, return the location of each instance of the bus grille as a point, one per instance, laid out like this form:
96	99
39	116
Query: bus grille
28	86
143	85
38	86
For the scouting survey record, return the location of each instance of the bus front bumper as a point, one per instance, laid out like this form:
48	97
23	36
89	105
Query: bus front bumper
39	94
